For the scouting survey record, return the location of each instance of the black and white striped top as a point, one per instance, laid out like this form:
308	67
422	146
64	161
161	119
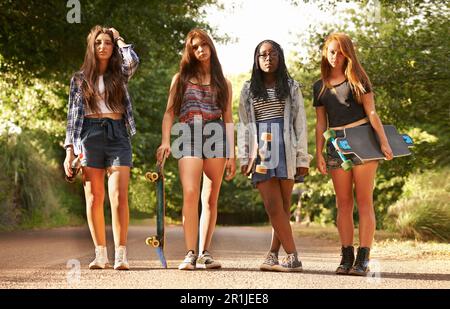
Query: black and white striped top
269	108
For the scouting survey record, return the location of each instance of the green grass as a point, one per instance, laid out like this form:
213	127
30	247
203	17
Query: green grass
34	194
423	211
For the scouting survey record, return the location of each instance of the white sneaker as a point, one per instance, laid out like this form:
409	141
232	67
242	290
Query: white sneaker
101	259
189	261
121	261
206	261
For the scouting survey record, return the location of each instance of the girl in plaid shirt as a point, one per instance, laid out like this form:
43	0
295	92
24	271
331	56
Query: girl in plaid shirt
99	125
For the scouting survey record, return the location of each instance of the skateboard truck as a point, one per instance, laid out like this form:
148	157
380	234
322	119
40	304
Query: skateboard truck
330	134
266	138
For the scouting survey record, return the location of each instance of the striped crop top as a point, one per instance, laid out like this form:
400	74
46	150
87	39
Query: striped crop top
269	108
199	100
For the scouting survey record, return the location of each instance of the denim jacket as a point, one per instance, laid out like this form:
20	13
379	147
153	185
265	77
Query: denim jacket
294	134
75	110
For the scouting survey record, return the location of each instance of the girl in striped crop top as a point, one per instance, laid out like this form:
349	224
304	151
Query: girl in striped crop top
271	102
199	91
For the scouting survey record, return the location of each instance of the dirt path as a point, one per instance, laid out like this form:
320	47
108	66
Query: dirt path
38	259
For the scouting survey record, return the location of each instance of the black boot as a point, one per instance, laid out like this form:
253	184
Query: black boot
361	267
348	257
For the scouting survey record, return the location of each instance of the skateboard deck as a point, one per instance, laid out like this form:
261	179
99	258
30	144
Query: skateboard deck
363	142
157	241
252	167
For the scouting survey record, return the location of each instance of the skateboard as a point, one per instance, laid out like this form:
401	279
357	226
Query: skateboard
157	241
362	141
261	168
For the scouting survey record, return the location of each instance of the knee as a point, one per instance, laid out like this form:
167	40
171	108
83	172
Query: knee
287	208
366	210
119	200
190	193
273	208
209	201
345	205
94	201
208	205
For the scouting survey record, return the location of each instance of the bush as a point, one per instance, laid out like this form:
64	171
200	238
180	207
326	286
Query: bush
33	193
423	212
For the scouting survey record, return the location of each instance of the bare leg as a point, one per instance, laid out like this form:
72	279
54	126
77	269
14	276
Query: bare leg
364	176
190	175
212	180
273	201
286	193
94	191
119	178
343	186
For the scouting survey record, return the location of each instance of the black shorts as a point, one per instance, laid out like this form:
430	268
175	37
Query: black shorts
204	141
105	142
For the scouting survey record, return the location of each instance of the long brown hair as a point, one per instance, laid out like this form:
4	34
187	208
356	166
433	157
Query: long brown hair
189	67
113	78
356	75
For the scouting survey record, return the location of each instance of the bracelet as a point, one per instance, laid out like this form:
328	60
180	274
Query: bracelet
119	38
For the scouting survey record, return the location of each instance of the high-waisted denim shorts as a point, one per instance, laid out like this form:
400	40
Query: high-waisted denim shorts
105	142
277	151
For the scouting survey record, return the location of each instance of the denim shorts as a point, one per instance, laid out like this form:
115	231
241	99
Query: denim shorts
105	142
280	170
332	158
203	140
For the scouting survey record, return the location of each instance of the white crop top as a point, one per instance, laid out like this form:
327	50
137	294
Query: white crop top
102	108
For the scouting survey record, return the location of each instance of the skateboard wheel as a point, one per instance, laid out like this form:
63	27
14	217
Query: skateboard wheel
261	169
152	241
266	136
407	139
329	134
151	176
347	165
155	243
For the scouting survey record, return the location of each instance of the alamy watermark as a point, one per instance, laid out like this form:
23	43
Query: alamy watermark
374	11
73	275
374	275
74	14
212	140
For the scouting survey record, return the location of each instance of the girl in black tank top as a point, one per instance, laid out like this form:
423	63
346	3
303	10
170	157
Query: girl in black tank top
343	96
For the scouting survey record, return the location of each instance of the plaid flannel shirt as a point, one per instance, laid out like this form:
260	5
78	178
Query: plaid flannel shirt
75	113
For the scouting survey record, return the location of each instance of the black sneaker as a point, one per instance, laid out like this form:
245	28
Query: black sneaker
361	267
347	260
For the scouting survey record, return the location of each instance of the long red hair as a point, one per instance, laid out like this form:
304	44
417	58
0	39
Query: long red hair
354	72
189	67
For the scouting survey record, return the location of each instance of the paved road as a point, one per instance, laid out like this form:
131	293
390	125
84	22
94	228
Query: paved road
38	259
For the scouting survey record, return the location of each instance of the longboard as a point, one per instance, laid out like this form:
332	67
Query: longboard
362	141
157	241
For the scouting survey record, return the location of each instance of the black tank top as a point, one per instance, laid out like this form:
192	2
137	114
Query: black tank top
339	102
